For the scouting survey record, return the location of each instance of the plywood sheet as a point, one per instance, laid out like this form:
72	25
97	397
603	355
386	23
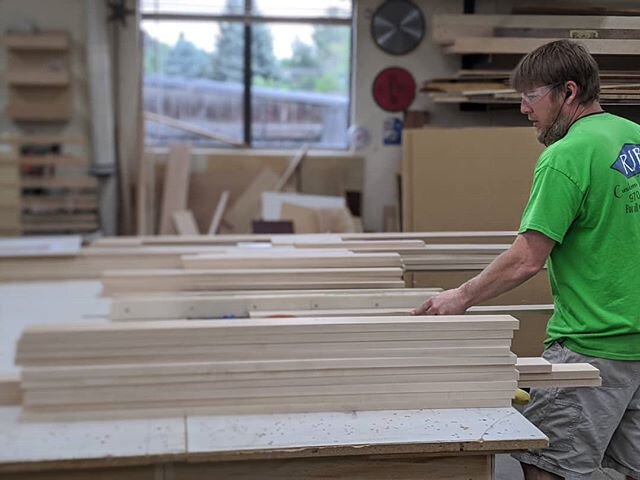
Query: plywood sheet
467	178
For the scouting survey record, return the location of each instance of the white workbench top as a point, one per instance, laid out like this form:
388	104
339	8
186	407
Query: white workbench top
262	436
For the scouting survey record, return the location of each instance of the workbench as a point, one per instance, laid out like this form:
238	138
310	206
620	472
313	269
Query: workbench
405	444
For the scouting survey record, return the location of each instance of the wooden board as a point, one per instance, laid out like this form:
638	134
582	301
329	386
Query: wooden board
305	220
216	220
291	168
176	185
184	222
53	160
494	204
69	182
345	468
124	281
240	304
294	260
37	41
10	391
96	376
527	365
40	246
247	207
447	28
69	202
515	45
42	104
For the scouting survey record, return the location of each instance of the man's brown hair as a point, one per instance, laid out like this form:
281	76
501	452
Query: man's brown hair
556	63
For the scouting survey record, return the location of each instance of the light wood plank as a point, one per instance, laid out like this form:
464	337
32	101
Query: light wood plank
526	365
184	222
216	220
176	185
10	390
247	207
514	45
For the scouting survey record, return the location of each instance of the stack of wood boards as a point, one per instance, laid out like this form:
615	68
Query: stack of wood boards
493	87
171	252
213	305
459	256
471	236
537	372
386	312
266	366
520	34
292	258
91	263
119	282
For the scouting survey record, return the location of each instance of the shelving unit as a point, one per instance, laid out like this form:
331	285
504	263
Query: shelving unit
38	77
502	40
55	193
50	189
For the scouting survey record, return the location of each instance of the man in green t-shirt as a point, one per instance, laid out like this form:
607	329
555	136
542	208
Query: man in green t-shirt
583	221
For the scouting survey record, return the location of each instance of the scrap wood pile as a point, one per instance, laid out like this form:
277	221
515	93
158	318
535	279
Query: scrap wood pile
516	35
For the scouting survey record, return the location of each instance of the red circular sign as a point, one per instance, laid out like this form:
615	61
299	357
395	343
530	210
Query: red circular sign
394	89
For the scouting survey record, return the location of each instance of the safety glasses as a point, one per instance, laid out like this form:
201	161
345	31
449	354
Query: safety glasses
533	96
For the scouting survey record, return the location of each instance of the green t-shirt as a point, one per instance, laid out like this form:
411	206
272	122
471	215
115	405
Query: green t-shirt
586	197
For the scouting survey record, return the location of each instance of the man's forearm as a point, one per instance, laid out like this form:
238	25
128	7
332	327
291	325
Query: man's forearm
507	271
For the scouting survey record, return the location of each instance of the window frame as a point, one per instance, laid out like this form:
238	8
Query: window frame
248	18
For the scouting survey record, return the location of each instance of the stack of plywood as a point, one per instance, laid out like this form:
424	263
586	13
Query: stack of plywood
119	282
493	87
537	372
230	240
453	256
212	305
520	34
266	366
516	35
291	258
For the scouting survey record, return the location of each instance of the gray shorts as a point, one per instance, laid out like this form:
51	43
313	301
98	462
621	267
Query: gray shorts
589	427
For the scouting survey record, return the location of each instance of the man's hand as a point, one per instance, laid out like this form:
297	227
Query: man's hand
449	302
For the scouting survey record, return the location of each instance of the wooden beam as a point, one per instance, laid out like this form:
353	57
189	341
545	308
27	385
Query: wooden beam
449	27
187	127
513	45
185	223
216	220
10	390
294	163
176	185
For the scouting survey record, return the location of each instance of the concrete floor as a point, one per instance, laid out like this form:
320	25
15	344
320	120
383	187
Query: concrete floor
23	304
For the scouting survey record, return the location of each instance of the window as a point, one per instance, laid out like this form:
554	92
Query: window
290	88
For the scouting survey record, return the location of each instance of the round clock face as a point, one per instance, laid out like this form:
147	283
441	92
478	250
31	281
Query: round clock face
394	89
397	26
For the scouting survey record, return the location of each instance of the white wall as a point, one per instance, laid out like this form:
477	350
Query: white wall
424	62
